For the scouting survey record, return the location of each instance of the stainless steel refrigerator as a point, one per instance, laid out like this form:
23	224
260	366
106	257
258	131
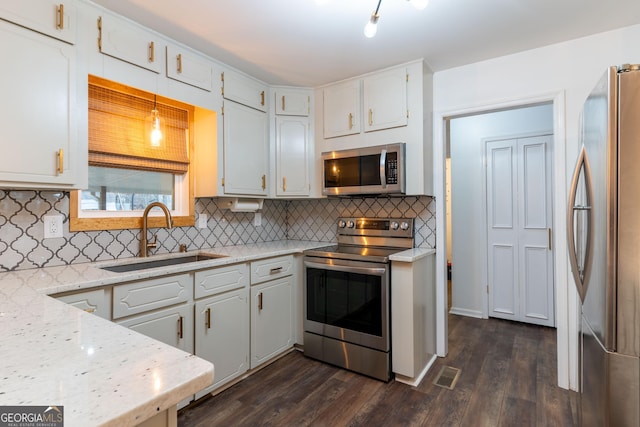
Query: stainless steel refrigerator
604	249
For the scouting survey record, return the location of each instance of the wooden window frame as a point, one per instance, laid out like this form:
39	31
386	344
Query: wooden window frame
107	222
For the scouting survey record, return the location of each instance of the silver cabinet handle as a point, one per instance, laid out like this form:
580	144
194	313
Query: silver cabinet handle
581	275
275	270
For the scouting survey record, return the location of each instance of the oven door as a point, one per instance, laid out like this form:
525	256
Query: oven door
347	300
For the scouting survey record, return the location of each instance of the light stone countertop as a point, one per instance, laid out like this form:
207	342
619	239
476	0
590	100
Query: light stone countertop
103	374
412	255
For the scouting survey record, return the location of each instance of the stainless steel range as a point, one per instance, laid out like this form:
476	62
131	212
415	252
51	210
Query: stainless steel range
347	295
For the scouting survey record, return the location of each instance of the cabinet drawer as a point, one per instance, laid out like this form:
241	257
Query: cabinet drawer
217	280
138	297
271	268
95	301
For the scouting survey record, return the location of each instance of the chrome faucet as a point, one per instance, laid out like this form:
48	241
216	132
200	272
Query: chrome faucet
144	245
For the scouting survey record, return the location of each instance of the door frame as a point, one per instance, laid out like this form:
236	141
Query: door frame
567	302
485	208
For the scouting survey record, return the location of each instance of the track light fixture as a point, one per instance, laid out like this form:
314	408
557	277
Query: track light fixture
372	25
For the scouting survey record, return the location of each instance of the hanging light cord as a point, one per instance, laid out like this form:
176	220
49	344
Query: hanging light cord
377	8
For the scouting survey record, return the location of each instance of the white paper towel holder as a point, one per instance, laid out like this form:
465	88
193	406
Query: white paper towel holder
240	204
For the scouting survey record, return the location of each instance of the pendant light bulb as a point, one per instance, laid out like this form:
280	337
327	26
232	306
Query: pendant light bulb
372	26
156	132
154	126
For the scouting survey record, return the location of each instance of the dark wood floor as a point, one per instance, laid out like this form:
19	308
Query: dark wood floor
508	379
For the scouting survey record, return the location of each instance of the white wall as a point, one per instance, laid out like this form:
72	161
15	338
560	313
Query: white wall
467	178
564	72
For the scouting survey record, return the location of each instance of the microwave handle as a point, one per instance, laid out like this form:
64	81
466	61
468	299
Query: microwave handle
383	168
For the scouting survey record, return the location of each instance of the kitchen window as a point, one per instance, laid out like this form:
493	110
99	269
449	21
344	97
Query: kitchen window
127	169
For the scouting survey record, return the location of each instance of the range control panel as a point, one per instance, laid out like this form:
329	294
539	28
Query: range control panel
388	227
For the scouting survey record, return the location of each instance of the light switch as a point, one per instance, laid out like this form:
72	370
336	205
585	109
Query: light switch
257	219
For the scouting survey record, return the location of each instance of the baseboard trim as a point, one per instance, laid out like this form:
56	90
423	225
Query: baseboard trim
466	312
414	382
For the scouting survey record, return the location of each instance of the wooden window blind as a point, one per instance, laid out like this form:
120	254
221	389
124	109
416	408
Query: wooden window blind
118	137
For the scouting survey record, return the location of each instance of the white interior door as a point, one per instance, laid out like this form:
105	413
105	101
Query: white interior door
519	212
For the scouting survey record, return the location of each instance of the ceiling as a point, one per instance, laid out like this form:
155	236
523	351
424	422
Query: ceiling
301	43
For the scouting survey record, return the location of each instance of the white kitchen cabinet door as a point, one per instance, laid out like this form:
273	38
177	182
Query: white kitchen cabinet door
341	109
173	326
94	301
222	335
292	156
292	102
39	126
244	90
246	150
53	18
271	319
130	43
189	68
385	100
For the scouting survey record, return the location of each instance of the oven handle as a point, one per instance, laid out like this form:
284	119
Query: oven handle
375	271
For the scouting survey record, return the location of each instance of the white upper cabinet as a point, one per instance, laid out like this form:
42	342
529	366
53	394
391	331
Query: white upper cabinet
292	151
244	90
53	18
341	107
292	102
189	68
129	42
396	106
39	122
385	100
246	150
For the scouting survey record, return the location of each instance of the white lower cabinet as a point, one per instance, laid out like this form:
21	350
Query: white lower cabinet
271	319
95	301
172	326
222	335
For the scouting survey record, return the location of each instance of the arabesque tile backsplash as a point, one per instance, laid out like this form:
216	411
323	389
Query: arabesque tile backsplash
22	243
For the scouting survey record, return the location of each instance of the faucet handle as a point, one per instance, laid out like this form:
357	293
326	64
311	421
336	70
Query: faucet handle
153	243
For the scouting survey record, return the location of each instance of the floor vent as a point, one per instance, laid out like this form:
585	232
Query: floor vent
447	377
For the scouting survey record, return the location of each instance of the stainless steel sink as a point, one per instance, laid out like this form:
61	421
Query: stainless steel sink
134	266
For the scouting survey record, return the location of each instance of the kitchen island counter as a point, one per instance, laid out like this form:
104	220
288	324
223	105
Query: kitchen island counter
101	373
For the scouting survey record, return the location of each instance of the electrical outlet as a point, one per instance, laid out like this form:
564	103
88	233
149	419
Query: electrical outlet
202	220
257	219
52	226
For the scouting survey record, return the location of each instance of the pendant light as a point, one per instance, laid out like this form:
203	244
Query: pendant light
154	125
372	25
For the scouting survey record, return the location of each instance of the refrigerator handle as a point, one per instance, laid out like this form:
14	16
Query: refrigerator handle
581	276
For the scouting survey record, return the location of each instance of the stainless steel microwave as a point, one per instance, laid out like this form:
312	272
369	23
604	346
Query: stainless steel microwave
369	170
